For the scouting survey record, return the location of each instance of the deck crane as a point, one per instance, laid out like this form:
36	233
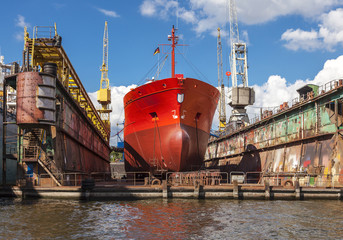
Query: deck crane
240	95
104	94
222	108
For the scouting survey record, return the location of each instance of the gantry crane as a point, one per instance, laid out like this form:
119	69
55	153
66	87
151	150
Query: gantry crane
241	95
222	109
104	93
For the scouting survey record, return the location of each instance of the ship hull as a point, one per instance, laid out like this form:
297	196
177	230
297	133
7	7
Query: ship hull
167	124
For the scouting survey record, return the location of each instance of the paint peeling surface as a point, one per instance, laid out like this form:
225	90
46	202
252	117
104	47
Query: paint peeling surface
305	138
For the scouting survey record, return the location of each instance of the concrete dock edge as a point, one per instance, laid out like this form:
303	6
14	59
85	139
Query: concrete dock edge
163	191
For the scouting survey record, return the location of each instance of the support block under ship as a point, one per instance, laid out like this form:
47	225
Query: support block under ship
302	139
167	123
61	137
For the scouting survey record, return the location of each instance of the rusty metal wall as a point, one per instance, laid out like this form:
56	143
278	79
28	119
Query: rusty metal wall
27	111
82	147
316	157
305	138
35	98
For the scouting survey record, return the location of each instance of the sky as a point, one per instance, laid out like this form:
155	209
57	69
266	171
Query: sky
290	42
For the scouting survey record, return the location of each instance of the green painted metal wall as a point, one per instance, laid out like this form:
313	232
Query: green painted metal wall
305	137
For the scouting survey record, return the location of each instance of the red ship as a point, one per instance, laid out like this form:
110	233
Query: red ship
168	122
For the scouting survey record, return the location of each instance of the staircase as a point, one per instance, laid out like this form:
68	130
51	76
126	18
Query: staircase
33	152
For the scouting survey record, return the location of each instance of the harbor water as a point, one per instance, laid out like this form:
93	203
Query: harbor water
170	219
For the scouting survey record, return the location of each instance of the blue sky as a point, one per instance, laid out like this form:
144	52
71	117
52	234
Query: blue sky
289	41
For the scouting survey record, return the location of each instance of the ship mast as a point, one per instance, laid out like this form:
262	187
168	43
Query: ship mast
173	39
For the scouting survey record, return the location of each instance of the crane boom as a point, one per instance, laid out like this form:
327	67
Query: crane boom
104	84
240	95
222	110
104	94
238	56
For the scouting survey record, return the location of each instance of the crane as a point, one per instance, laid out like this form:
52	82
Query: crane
222	109
104	93
241	95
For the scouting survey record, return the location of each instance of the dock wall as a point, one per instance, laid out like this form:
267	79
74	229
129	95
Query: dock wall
229	191
306	137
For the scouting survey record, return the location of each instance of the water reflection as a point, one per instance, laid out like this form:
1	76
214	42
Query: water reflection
170	219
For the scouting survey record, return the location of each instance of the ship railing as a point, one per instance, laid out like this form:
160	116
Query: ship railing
304	179
330	85
137	178
101	176
73	178
31	152
44	32
201	177
282	178
76	178
253	177
118	175
255	120
44	179
131	178
322	180
237	176
106	108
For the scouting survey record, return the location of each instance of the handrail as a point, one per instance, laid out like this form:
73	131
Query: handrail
191	178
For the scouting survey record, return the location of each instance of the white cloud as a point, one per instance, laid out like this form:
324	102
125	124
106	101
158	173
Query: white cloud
147	8
159	8
187	16
328	36
332	70
299	39
261	11
117	114
19	36
206	15
108	13
277	90
20	22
